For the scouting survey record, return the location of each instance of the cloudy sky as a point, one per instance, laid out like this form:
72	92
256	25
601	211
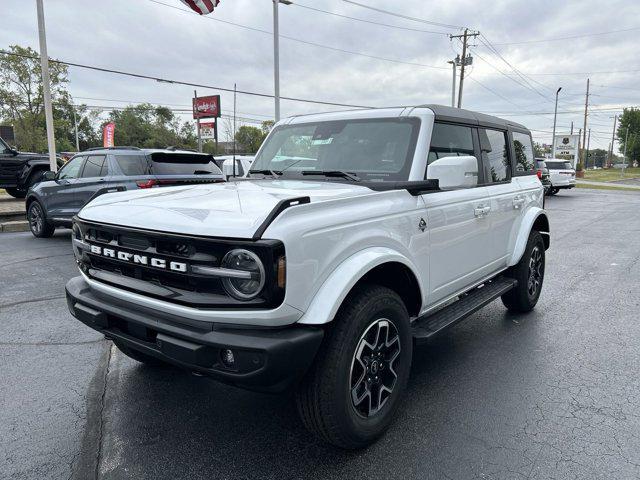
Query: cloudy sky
527	50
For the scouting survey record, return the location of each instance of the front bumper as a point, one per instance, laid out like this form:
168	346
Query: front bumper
265	359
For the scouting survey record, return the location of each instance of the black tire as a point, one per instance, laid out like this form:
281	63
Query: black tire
325	399
38	223
529	272
15	193
140	357
553	191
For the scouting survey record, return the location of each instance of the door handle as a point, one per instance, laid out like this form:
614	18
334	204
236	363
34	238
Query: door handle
518	202
481	211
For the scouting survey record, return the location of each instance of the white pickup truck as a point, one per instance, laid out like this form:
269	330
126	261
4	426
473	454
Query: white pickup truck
355	236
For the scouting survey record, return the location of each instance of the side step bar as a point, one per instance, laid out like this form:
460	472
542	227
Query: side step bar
423	328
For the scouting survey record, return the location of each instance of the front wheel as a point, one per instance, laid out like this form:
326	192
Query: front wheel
357	381
529	272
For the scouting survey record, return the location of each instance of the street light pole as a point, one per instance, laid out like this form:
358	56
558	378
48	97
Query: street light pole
276	55
454	63
555	115
46	87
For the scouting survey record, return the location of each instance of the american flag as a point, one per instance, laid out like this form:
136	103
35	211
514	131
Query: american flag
201	7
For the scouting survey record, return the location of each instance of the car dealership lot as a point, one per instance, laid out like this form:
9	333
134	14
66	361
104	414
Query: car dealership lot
553	394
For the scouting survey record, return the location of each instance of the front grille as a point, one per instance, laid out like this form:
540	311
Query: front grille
181	286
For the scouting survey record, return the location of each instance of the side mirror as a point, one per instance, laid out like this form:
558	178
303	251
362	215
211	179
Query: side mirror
48	176
454	172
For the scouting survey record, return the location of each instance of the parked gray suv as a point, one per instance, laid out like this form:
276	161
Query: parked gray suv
54	201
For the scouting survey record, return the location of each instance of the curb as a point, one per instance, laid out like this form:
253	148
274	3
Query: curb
14	226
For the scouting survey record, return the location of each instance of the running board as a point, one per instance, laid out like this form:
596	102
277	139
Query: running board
423	328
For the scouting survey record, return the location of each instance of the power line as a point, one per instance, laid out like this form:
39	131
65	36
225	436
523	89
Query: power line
406	17
180	82
556	39
368	21
306	42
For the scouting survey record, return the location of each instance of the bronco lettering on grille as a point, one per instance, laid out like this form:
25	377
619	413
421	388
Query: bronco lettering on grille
139	259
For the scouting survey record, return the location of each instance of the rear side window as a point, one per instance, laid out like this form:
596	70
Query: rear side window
71	169
525	158
132	165
559	165
182	164
95	167
495	158
450	141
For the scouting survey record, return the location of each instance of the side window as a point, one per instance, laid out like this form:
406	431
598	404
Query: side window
450	141
94	167
495	157
132	165
71	169
525	161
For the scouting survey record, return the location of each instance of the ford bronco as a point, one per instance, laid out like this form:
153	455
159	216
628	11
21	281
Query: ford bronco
355	236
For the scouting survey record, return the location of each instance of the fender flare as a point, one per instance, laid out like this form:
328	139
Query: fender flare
329	297
531	217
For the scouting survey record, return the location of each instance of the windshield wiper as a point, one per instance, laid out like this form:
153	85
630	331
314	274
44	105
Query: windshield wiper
332	173
273	173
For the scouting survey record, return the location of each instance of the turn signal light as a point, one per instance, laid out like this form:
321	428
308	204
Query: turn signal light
282	272
146	183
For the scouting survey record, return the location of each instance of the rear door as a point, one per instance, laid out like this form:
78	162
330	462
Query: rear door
507	202
458	220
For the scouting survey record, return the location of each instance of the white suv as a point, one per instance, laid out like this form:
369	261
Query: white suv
355	236
561	174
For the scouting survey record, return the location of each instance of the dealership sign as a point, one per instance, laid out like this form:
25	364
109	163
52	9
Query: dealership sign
206	107
208	130
108	134
566	146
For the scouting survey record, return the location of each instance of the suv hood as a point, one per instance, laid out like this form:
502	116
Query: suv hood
234	209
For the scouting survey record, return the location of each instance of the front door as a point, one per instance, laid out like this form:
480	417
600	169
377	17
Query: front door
59	195
92	179
458	220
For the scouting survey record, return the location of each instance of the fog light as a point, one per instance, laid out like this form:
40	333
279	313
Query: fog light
228	360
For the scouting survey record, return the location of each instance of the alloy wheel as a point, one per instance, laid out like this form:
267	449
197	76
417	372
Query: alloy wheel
36	219
535	271
373	376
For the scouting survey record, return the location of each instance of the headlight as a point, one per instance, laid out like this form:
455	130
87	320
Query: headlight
251	276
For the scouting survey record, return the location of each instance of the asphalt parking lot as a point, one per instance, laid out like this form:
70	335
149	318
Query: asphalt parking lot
552	394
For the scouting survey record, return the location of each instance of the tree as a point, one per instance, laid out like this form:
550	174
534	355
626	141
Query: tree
22	103
149	126
630	120
249	138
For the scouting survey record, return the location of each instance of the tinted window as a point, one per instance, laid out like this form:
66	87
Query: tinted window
524	152
495	158
182	164
132	165
94	167
559	165
71	169
375	150
450	141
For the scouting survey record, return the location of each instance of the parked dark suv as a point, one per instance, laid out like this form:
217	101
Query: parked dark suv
54	201
20	170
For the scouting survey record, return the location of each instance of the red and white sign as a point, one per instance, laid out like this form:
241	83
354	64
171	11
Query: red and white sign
108	134
201	7
206	107
208	130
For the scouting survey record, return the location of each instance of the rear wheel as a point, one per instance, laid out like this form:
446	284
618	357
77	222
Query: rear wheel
15	193
529	272
38	223
553	191
355	386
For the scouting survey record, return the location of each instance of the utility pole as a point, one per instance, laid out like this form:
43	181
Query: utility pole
75	125
454	63
613	139
624	155
46	87
584	130
571	127
588	144
465	60
555	116
276	54
234	130
195	96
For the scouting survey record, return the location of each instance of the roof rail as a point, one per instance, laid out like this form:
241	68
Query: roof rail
112	148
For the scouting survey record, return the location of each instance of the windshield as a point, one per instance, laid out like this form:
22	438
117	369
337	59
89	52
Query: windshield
373	149
559	165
